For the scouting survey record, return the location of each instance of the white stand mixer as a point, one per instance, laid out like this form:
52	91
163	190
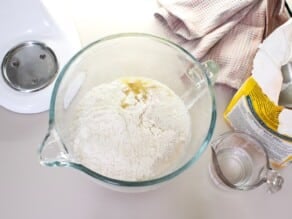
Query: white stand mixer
35	44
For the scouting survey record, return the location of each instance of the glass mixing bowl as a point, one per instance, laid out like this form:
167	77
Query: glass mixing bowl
123	55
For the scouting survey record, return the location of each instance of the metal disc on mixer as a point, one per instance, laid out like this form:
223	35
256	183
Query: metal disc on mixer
29	67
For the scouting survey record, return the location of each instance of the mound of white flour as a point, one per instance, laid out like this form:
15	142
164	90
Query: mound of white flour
131	129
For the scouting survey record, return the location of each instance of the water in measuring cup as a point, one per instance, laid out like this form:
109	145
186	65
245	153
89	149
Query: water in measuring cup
236	165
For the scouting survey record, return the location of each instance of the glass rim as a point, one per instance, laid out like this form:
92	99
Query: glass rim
243	135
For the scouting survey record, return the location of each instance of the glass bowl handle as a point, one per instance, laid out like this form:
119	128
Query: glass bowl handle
200	88
212	69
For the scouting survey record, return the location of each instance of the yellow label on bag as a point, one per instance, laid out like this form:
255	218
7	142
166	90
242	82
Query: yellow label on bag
253	112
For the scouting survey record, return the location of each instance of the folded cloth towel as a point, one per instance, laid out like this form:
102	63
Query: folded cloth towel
226	31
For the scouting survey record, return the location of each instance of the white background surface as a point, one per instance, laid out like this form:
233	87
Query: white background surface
28	190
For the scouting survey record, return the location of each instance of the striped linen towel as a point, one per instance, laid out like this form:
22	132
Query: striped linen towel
226	31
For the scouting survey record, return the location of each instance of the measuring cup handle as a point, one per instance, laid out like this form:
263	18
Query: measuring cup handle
274	181
52	152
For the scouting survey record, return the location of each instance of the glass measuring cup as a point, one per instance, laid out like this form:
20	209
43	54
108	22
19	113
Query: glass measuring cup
135	55
240	162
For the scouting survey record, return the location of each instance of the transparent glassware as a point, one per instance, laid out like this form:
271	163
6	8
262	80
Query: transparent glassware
240	162
138	55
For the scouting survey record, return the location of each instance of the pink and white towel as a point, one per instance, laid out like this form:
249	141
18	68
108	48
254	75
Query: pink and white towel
226	31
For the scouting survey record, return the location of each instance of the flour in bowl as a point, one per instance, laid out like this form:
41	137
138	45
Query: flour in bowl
131	129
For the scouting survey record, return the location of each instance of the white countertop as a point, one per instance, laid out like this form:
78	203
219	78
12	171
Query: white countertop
28	190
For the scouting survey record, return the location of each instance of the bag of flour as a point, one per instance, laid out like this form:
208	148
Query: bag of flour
255	110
